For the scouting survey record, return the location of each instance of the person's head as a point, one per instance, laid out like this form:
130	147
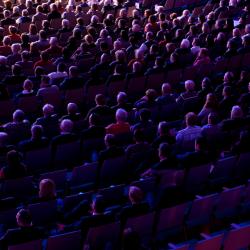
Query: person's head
53	41
45	56
145	115
94	119
190	119
15	48
98	204
16	69
23	218
3	60
211	101
45	81
121	98
42	35
66	126
28	85
3	139
72	108
100	100
228	77
36	131
189	85
18	115
109	140
212	118
200	143
166	89
65	23
203	52
121	115
227	91
206	83
12	30
13	158
236	112
137	67
120	56
25	13
163	128
138	136
164	151
39	71
47	189
185	44
6	41
48	110
73	71
135	194
25	56
151	94
246	40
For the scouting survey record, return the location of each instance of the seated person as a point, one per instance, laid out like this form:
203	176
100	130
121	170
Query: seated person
47	190
167	160
111	151
137	205
14	168
121	125
25	232
196	158
36	141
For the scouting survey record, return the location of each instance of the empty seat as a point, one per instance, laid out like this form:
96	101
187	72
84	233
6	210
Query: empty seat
103	236
228	203
155	81
65	241
32	245
242	168
213	242
74	95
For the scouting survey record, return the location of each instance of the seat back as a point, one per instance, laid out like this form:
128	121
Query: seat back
143	225
115	87
242	168
22	187
74	95
32	245
67	155
196	179
214	243
65	241
38	159
44	213
59	177
237	238
136	86
201	210
172	218
102	236
56	23
113	171
29	104
155	81
228	203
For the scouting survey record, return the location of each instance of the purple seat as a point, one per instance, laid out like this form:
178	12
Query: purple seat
181	247
229	202
115	87
38	160
146	185
73	200
90	147
245	60
6	108
237	238
67	155
84	177
136	86
113	171
74	95
113	195
169	112
242	168
102	236
171	221
20	188
155	81
245	206
223	171
92	90
234	63
169	178
44	213
8	218
189	73
210	243
143	225
196	179
32	245
65	241
29	104
174	76
201	210
59	177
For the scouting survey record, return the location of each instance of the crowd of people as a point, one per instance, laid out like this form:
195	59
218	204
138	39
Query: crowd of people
49	48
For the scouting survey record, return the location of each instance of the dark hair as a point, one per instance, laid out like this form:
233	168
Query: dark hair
138	135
